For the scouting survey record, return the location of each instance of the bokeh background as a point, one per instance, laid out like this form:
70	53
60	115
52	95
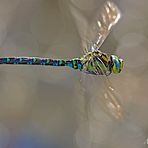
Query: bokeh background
45	106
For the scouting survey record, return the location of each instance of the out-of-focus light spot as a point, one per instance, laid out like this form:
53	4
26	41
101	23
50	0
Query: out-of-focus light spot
98	136
132	39
129	136
129	26
133	49
132	21
31	139
83	136
20	43
16	100
134	56
46	27
134	5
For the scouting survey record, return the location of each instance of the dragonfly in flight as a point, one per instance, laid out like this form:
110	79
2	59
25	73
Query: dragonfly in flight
93	61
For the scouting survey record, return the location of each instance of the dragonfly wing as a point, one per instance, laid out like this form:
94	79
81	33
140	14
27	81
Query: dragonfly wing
82	26
101	96
94	31
111	100
102	24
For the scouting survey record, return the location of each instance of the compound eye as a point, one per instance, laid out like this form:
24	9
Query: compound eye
117	66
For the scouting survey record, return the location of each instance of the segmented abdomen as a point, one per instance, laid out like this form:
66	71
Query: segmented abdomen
73	63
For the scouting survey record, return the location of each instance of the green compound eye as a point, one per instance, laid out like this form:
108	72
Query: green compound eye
117	64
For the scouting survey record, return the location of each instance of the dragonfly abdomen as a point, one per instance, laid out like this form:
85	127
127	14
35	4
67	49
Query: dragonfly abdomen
73	63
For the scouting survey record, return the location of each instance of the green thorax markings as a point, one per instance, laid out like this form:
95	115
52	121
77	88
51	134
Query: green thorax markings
96	62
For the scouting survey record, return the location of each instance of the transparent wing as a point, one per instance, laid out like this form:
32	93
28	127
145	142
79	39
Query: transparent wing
94	31
112	101
102	24
100	96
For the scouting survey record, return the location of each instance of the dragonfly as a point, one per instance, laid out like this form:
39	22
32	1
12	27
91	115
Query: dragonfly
93	61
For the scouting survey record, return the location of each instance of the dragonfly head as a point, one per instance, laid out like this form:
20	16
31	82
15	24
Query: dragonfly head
117	64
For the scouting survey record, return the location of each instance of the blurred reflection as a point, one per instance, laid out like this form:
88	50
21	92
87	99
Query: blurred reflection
4	136
29	139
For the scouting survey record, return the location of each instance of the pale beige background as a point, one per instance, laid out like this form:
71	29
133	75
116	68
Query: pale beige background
48	100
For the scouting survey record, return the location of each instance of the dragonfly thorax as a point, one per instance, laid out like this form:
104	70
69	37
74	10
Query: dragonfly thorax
97	63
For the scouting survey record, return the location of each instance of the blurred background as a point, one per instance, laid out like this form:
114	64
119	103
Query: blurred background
44	107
